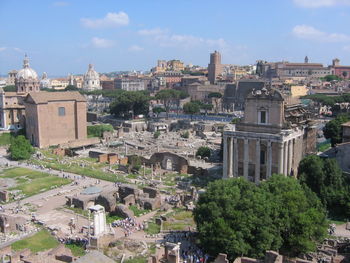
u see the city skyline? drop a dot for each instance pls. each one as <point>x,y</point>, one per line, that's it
<point>62,37</point>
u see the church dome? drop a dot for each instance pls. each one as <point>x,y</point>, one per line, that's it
<point>26,73</point>
<point>91,74</point>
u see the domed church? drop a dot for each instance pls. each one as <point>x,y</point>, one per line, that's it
<point>12,110</point>
<point>91,79</point>
<point>27,79</point>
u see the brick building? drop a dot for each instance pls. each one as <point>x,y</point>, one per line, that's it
<point>54,118</point>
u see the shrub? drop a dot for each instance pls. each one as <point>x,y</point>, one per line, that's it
<point>156,134</point>
<point>20,148</point>
<point>203,152</point>
<point>98,130</point>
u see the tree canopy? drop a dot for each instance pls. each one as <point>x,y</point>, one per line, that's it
<point>238,218</point>
<point>203,151</point>
<point>331,78</point>
<point>333,130</point>
<point>325,178</point>
<point>9,88</point>
<point>98,130</point>
<point>20,148</point>
<point>191,108</point>
<point>170,97</point>
<point>126,104</point>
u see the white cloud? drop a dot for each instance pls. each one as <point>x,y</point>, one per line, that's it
<point>164,38</point>
<point>346,48</point>
<point>135,48</point>
<point>152,32</point>
<point>3,49</point>
<point>11,48</point>
<point>101,42</point>
<point>60,3</point>
<point>320,3</point>
<point>311,33</point>
<point>110,20</point>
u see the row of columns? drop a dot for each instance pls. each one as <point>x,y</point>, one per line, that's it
<point>285,157</point>
<point>285,154</point>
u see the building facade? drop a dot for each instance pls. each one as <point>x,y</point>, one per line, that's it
<point>266,141</point>
<point>129,84</point>
<point>91,79</point>
<point>54,118</point>
<point>214,67</point>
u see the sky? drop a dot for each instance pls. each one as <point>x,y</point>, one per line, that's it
<point>62,37</point>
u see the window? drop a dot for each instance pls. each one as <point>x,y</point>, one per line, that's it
<point>61,111</point>
<point>262,115</point>
<point>262,157</point>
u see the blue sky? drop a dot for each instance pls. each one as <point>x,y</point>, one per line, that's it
<point>62,37</point>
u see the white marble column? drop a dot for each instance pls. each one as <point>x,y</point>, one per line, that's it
<point>246,159</point>
<point>235,157</point>
<point>280,158</point>
<point>290,156</point>
<point>257,161</point>
<point>230,156</point>
<point>285,159</point>
<point>269,160</point>
<point>224,170</point>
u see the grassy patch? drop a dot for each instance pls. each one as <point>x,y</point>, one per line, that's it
<point>153,228</point>
<point>137,211</point>
<point>136,260</point>
<point>179,220</point>
<point>33,182</point>
<point>324,147</point>
<point>111,218</point>
<point>91,170</point>
<point>39,242</point>
<point>132,176</point>
<point>5,138</point>
<point>77,250</point>
<point>78,210</point>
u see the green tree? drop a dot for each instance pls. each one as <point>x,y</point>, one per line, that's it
<point>333,130</point>
<point>126,104</point>
<point>20,148</point>
<point>203,151</point>
<point>326,180</point>
<point>10,88</point>
<point>98,130</point>
<point>238,218</point>
<point>330,78</point>
<point>191,108</point>
<point>71,88</point>
<point>168,97</point>
<point>206,107</point>
<point>298,215</point>
<point>157,110</point>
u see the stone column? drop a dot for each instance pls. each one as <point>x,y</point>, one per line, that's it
<point>285,159</point>
<point>257,161</point>
<point>290,156</point>
<point>230,156</point>
<point>224,170</point>
<point>280,158</point>
<point>235,158</point>
<point>269,160</point>
<point>246,159</point>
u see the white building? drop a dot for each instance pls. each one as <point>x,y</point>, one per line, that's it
<point>91,79</point>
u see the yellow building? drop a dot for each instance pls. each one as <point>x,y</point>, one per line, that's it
<point>298,91</point>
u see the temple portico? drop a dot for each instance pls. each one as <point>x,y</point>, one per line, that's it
<point>263,143</point>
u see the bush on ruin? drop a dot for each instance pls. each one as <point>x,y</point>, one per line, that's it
<point>20,148</point>
<point>203,151</point>
<point>156,134</point>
